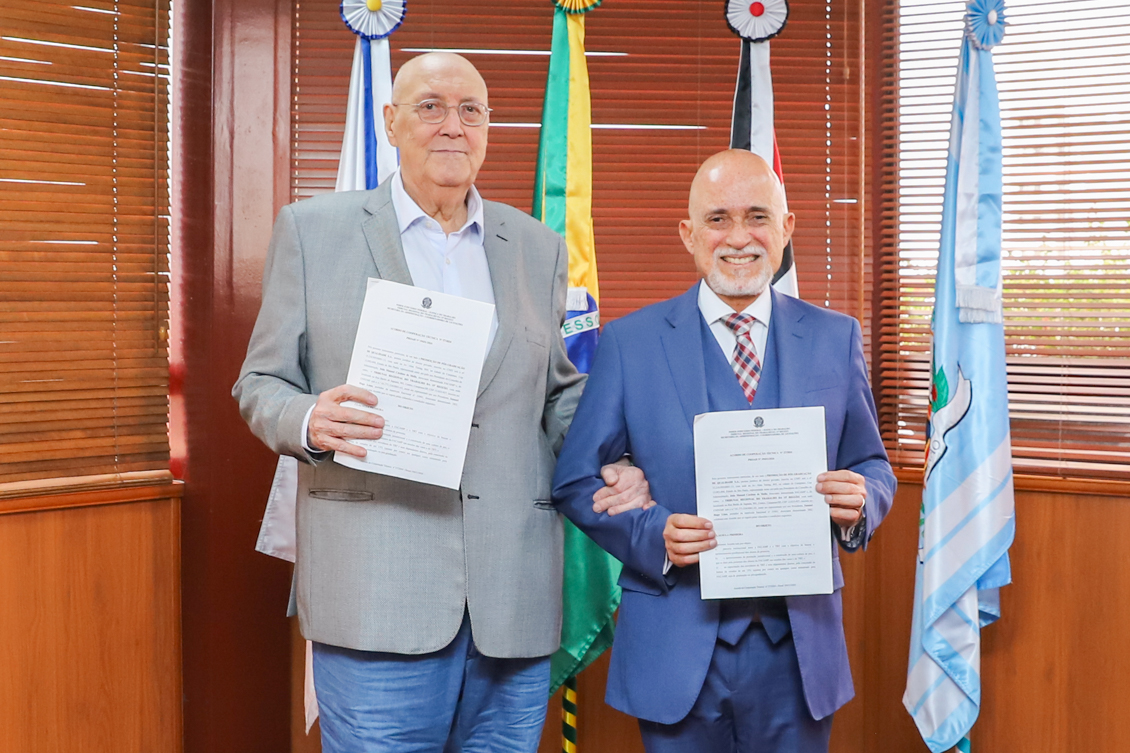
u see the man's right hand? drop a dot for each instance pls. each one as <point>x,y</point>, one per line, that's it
<point>685,536</point>
<point>333,424</point>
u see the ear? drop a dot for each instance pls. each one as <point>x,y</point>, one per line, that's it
<point>686,230</point>
<point>389,113</point>
<point>788,224</point>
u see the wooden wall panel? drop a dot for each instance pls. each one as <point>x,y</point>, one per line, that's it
<point>887,601</point>
<point>1054,667</point>
<point>90,629</point>
<point>231,144</point>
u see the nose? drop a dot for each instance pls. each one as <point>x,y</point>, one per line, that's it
<point>739,236</point>
<point>451,125</point>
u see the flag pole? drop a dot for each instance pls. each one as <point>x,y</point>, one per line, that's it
<point>563,201</point>
<point>967,518</point>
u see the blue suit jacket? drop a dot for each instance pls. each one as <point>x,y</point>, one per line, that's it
<point>647,383</point>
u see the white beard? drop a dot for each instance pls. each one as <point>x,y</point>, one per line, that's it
<point>746,285</point>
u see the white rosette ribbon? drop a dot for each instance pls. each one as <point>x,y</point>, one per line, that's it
<point>372,19</point>
<point>758,20</point>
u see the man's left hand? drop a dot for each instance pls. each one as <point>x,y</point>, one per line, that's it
<point>844,491</point>
<point>625,488</point>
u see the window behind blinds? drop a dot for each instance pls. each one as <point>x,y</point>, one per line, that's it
<point>662,74</point>
<point>83,239</point>
<point>1063,72</point>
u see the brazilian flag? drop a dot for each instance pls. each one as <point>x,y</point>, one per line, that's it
<point>563,201</point>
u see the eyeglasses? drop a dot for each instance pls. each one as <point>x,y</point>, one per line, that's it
<point>434,111</point>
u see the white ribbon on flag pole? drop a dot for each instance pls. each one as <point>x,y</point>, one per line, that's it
<point>761,101</point>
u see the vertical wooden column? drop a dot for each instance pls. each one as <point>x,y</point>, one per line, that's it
<point>231,134</point>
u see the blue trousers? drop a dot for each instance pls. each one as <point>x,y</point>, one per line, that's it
<point>751,702</point>
<point>454,700</point>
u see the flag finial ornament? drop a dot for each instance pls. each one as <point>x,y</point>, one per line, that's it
<point>373,19</point>
<point>985,22</point>
<point>757,21</point>
<point>576,6</point>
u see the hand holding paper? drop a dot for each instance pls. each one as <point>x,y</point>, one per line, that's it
<point>332,424</point>
<point>686,536</point>
<point>845,492</point>
<point>420,354</point>
<point>755,476</point>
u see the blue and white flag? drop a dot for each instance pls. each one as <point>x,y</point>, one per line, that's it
<point>967,520</point>
<point>366,159</point>
<point>366,156</point>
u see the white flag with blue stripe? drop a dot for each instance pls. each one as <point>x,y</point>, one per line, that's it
<point>967,519</point>
<point>366,156</point>
<point>366,160</point>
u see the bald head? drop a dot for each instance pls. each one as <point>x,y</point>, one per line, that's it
<point>720,170</point>
<point>738,225</point>
<point>438,161</point>
<point>433,65</point>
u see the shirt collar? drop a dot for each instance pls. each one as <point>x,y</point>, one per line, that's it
<point>714,308</point>
<point>408,212</point>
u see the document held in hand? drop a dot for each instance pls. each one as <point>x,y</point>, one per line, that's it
<point>755,478</point>
<point>421,353</point>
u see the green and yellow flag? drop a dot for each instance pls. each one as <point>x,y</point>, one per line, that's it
<point>563,201</point>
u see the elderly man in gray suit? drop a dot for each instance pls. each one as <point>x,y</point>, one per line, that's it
<point>432,611</point>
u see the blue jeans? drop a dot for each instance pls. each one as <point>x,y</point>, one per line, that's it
<point>454,700</point>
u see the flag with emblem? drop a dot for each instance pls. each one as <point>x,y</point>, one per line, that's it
<point>752,125</point>
<point>563,201</point>
<point>966,522</point>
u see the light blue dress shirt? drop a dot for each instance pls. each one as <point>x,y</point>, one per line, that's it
<point>453,263</point>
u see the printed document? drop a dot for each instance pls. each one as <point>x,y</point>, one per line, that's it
<point>755,478</point>
<point>421,353</point>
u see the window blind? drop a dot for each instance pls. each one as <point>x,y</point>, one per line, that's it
<point>662,74</point>
<point>83,239</point>
<point>1063,73</point>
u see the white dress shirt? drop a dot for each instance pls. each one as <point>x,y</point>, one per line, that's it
<point>714,310</point>
<point>453,263</point>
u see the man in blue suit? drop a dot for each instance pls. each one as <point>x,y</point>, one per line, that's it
<point>760,675</point>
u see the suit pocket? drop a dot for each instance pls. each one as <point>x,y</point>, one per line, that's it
<point>341,495</point>
<point>544,504</point>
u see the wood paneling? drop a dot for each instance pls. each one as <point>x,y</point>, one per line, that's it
<point>1054,667</point>
<point>90,625</point>
<point>230,131</point>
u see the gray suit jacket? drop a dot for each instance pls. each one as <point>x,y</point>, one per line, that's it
<point>385,564</point>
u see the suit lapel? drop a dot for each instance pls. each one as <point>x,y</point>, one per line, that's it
<point>682,344</point>
<point>382,233</point>
<point>787,344</point>
<point>502,260</point>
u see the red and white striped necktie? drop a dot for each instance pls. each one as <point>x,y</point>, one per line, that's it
<point>746,365</point>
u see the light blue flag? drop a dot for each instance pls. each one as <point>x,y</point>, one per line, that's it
<point>967,520</point>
